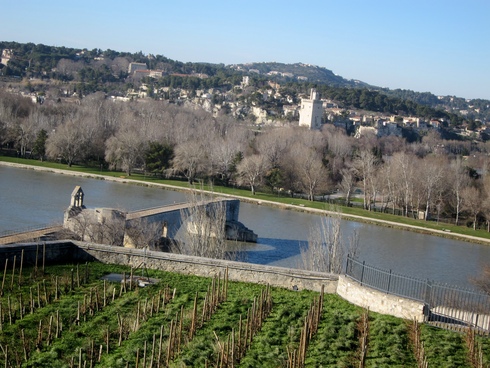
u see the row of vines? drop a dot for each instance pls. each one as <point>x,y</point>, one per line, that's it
<point>70,316</point>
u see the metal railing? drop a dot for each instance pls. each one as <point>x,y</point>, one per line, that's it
<point>446,305</point>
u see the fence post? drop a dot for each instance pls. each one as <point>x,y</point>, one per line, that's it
<point>362,271</point>
<point>428,291</point>
<point>389,282</point>
<point>347,264</point>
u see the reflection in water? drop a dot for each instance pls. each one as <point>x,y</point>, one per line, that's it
<point>272,251</point>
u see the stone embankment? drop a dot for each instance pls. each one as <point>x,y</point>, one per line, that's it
<point>393,224</point>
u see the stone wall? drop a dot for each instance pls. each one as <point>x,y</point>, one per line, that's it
<point>237,271</point>
<point>49,253</point>
<point>78,252</point>
<point>378,301</point>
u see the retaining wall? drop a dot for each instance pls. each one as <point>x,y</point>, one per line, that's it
<point>378,301</point>
<point>74,251</point>
<point>237,271</point>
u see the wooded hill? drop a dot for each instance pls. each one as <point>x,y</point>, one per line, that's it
<point>98,70</point>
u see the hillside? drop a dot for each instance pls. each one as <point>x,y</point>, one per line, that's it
<point>299,72</point>
<point>107,71</point>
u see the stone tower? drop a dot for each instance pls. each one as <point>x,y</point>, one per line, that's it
<point>310,114</point>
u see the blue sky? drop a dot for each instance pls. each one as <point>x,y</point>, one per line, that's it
<point>440,46</point>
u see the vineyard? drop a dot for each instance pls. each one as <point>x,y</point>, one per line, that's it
<point>74,316</point>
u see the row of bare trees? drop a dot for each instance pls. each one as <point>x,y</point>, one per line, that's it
<point>431,177</point>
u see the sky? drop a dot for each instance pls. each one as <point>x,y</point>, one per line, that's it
<point>438,46</point>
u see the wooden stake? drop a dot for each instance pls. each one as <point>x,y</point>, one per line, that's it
<point>39,335</point>
<point>37,256</point>
<point>24,344</point>
<point>10,309</point>
<point>21,265</point>
<point>104,304</point>
<point>57,323</point>
<point>44,256</point>
<point>13,274</point>
<point>38,296</point>
<point>107,339</point>
<point>48,341</point>
<point>4,275</point>
<point>152,351</point>
<point>21,307</point>
<point>32,300</point>
<point>160,347</point>
<point>119,320</point>
<point>46,301</point>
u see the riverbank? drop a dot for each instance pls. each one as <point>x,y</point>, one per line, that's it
<point>295,205</point>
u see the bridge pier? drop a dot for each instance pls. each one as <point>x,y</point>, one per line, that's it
<point>111,226</point>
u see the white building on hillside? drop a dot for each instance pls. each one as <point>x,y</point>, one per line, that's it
<point>311,111</point>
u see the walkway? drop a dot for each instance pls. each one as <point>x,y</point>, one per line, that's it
<point>28,235</point>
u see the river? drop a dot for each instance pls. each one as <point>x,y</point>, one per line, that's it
<point>33,198</point>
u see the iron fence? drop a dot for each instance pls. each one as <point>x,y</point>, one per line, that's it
<point>445,305</point>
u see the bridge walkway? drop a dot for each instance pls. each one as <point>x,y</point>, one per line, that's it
<point>28,235</point>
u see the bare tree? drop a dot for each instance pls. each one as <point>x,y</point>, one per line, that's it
<point>223,155</point>
<point>403,173</point>
<point>483,280</point>
<point>273,144</point>
<point>126,148</point>
<point>347,184</point>
<point>327,250</point>
<point>204,224</point>
<point>459,180</point>
<point>251,171</point>
<point>141,233</point>
<point>473,202</point>
<point>66,142</point>
<point>69,68</point>
<point>365,164</point>
<point>311,173</point>
<point>119,65</point>
<point>430,176</point>
<point>189,159</point>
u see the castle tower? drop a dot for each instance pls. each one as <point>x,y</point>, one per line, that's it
<point>311,111</point>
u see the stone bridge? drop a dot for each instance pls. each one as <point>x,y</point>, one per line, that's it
<point>97,225</point>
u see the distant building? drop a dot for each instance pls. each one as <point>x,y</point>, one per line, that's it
<point>7,54</point>
<point>136,66</point>
<point>311,111</point>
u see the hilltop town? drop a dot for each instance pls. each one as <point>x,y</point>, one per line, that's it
<point>260,94</point>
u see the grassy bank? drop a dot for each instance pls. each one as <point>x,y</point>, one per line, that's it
<point>297,204</point>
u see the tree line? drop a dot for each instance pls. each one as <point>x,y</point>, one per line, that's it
<point>433,178</point>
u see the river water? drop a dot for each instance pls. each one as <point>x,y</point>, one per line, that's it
<point>33,198</point>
